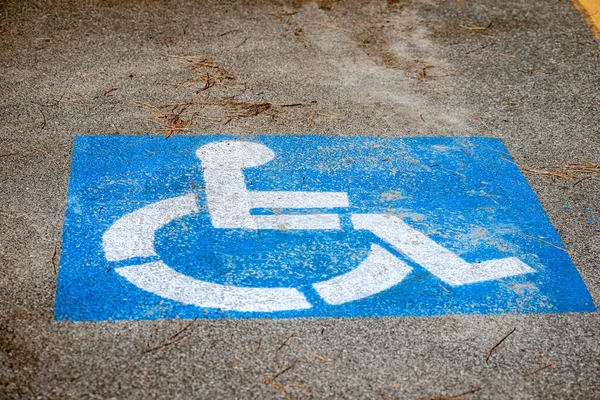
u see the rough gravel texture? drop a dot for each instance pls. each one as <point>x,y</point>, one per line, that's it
<point>526,72</point>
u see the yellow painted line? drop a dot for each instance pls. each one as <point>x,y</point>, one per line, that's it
<point>590,9</point>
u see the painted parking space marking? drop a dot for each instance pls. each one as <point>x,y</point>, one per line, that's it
<point>311,226</point>
<point>590,9</point>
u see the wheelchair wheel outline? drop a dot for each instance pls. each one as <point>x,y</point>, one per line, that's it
<point>132,236</point>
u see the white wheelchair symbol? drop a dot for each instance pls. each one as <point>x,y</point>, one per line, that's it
<point>229,205</point>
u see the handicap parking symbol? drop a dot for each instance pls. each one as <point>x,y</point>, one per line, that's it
<point>311,226</point>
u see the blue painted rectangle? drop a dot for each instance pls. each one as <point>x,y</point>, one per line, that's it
<point>463,194</point>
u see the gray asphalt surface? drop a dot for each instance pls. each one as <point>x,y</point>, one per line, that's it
<point>526,72</point>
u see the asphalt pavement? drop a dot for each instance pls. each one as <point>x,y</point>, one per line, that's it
<point>523,72</point>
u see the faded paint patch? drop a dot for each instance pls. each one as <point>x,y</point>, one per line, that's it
<point>590,9</point>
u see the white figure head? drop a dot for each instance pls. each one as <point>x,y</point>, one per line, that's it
<point>234,154</point>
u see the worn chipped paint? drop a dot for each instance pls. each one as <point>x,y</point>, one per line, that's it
<point>266,226</point>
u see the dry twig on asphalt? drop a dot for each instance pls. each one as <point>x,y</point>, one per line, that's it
<point>173,339</point>
<point>279,386</point>
<point>286,369</point>
<point>47,155</point>
<point>285,341</point>
<point>53,262</point>
<point>69,100</point>
<point>490,351</point>
<point>454,397</point>
<point>423,72</point>
<point>43,116</point>
<point>476,117</point>
<point>549,364</point>
<point>314,354</point>
<point>212,94</point>
<point>569,172</point>
<point>206,71</point>
<point>169,121</point>
<point>108,91</point>
<point>475,27</point>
